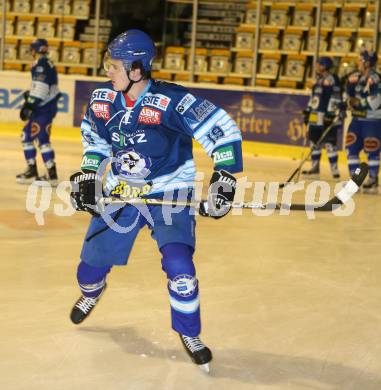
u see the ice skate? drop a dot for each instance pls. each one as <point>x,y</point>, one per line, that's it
<point>83,307</point>
<point>371,186</point>
<point>313,172</point>
<point>335,171</point>
<point>198,352</point>
<point>29,176</point>
<point>51,177</point>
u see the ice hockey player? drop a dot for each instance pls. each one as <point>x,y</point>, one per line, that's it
<point>147,127</point>
<point>322,111</point>
<point>363,94</point>
<point>39,110</point>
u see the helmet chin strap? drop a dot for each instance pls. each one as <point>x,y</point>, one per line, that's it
<point>132,82</point>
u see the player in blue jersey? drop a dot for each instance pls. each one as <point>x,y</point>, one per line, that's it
<point>146,128</point>
<point>363,93</point>
<point>321,112</point>
<point>39,110</point>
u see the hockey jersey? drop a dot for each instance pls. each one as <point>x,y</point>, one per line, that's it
<point>366,88</point>
<point>44,81</point>
<point>150,144</point>
<point>325,98</point>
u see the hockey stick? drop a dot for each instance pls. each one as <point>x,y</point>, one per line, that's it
<point>299,167</point>
<point>350,188</point>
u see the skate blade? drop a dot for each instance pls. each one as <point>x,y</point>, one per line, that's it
<point>25,181</point>
<point>205,367</point>
<point>41,183</point>
<point>53,183</point>
<point>314,176</point>
<point>370,191</point>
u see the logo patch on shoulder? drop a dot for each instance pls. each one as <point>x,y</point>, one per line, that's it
<point>149,116</point>
<point>101,110</point>
<point>185,103</point>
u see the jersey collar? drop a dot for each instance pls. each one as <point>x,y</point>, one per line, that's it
<point>138,100</point>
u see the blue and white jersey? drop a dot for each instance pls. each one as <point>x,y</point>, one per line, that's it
<point>151,143</point>
<point>325,98</point>
<point>366,88</point>
<point>44,81</point>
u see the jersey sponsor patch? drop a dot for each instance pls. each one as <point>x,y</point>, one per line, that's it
<point>224,156</point>
<point>101,110</point>
<point>149,116</point>
<point>104,94</point>
<point>156,100</point>
<point>125,190</point>
<point>201,111</point>
<point>90,161</point>
<point>185,103</point>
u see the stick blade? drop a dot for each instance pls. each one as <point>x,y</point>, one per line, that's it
<point>350,188</point>
<point>360,174</point>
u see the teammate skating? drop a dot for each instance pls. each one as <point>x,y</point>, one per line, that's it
<point>324,110</point>
<point>39,110</point>
<point>363,91</point>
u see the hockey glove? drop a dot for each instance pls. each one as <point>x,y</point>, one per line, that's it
<point>29,106</point>
<point>220,196</point>
<point>306,115</point>
<point>86,191</point>
<point>26,111</point>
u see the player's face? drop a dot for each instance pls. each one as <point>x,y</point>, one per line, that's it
<point>320,69</point>
<point>361,65</point>
<point>118,75</point>
<point>34,53</point>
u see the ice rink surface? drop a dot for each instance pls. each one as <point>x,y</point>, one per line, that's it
<point>287,302</point>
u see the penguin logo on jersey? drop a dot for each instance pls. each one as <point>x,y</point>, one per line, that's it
<point>132,164</point>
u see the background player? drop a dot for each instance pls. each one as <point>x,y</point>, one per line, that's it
<point>148,126</point>
<point>320,113</point>
<point>39,110</point>
<point>364,133</point>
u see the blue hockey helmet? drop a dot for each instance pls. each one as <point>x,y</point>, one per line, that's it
<point>368,56</point>
<point>133,46</point>
<point>326,62</point>
<point>40,45</point>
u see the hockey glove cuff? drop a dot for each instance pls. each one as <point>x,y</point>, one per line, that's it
<point>26,111</point>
